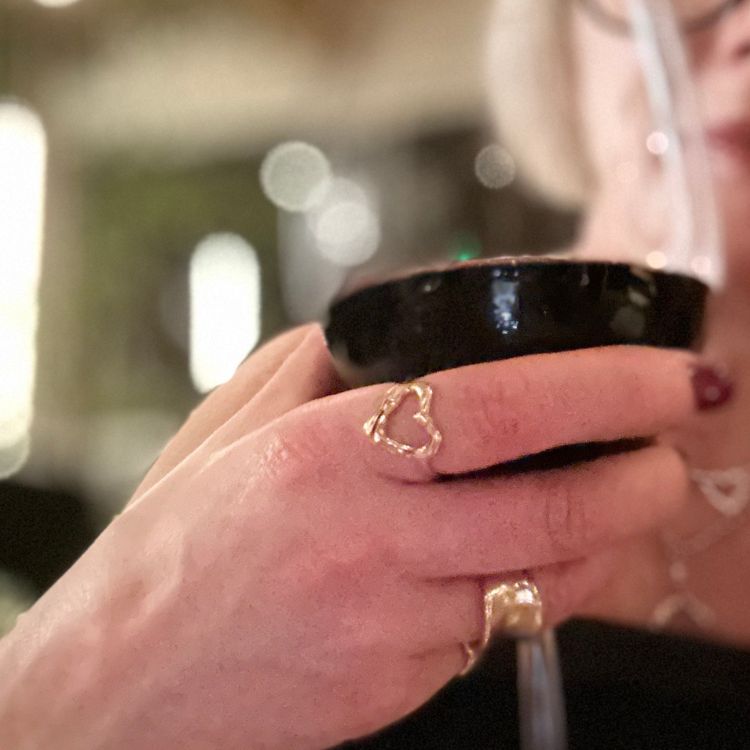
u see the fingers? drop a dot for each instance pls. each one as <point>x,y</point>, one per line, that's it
<point>449,612</point>
<point>289,370</point>
<point>475,527</point>
<point>499,411</point>
<point>586,396</point>
<point>306,374</point>
<point>251,376</point>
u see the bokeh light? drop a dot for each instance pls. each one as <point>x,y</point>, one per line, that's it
<point>295,176</point>
<point>56,3</point>
<point>495,167</point>
<point>225,308</point>
<point>657,143</point>
<point>346,227</point>
<point>657,260</point>
<point>23,151</point>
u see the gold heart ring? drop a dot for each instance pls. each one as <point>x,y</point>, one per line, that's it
<point>376,427</point>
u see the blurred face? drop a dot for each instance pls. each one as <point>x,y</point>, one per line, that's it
<point>616,122</point>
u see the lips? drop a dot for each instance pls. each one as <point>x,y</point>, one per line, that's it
<point>731,138</point>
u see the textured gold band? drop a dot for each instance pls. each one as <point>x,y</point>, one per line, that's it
<point>513,609</point>
<point>376,427</point>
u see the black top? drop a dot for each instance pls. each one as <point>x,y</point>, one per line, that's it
<point>625,689</point>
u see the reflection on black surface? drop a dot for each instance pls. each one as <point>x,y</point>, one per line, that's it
<point>435,320</point>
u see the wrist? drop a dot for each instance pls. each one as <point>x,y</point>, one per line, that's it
<point>50,694</point>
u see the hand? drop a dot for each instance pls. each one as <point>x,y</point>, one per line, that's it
<point>280,582</point>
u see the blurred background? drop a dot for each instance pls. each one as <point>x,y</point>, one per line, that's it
<point>181,180</point>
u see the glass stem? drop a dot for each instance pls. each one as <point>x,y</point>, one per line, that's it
<point>541,706</point>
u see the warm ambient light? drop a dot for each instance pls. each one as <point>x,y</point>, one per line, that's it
<point>55,3</point>
<point>23,153</point>
<point>295,176</point>
<point>345,225</point>
<point>224,308</point>
<point>494,167</point>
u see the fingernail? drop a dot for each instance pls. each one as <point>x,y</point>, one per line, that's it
<point>711,386</point>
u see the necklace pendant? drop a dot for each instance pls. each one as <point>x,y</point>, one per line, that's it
<point>726,490</point>
<point>682,605</point>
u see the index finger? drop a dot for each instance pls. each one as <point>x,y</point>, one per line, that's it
<point>265,385</point>
<point>496,412</point>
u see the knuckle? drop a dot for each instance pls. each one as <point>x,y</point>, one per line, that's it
<point>294,458</point>
<point>566,522</point>
<point>484,416</point>
<point>492,417</point>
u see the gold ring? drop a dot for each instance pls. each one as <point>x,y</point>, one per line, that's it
<point>513,609</point>
<point>471,657</point>
<point>376,427</point>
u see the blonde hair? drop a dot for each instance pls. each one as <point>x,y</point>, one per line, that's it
<point>532,94</point>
